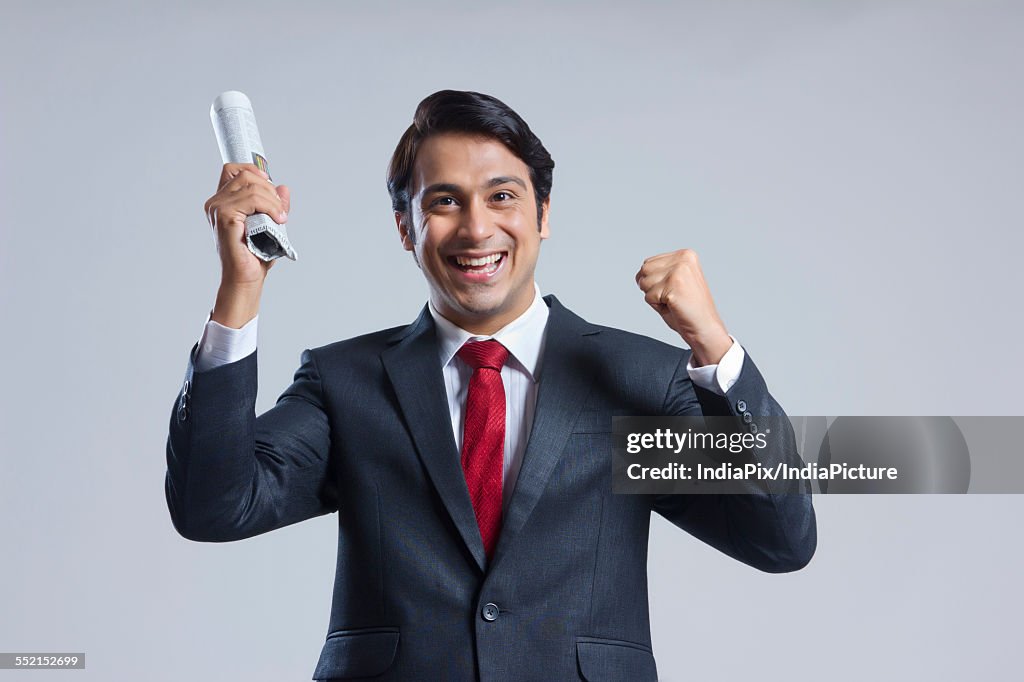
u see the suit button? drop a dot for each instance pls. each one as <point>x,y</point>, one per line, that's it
<point>747,417</point>
<point>490,612</point>
<point>183,412</point>
<point>753,428</point>
<point>741,406</point>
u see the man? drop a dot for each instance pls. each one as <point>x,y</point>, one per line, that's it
<point>468,454</point>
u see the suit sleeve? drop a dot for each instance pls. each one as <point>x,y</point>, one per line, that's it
<point>774,532</point>
<point>231,475</point>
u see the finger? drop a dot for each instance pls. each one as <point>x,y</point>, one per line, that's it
<point>655,266</point>
<point>656,258</point>
<point>248,182</point>
<point>230,170</point>
<point>645,280</point>
<point>644,274</point>
<point>285,194</point>
<point>653,295</point>
<point>245,178</point>
<point>237,206</point>
<point>263,201</point>
<point>668,295</point>
<point>650,275</point>
<point>688,256</point>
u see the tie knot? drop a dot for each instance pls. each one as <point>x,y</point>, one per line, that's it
<point>489,354</point>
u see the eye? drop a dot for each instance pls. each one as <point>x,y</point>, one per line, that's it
<point>503,196</point>
<point>443,201</point>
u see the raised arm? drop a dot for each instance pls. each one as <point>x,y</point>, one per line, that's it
<point>772,532</point>
<point>231,475</point>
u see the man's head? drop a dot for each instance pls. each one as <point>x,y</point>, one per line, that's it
<point>470,187</point>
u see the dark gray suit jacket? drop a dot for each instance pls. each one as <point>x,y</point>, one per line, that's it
<point>364,431</point>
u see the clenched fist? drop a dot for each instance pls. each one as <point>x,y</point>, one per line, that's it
<point>673,284</point>
<point>243,190</point>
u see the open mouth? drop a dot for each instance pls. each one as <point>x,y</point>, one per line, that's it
<point>481,265</point>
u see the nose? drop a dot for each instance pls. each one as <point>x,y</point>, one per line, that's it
<point>475,224</point>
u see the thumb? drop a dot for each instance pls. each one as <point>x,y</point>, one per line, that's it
<point>662,309</point>
<point>285,193</point>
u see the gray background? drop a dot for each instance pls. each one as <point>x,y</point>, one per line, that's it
<point>847,172</point>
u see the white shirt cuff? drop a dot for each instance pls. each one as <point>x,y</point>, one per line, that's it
<point>721,377</point>
<point>220,345</point>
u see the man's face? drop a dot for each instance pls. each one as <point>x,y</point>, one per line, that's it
<point>474,215</point>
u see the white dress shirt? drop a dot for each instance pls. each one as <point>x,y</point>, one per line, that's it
<point>524,339</point>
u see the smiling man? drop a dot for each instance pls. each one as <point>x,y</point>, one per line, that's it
<point>474,227</point>
<point>468,454</point>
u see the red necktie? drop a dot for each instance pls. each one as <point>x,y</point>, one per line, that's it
<point>483,436</point>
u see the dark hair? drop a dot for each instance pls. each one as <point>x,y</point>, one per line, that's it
<point>455,111</point>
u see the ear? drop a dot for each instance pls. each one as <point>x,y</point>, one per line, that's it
<point>545,210</point>
<point>408,240</point>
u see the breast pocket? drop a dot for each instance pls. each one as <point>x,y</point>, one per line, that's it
<point>360,652</point>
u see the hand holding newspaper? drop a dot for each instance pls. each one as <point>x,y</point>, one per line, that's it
<point>239,140</point>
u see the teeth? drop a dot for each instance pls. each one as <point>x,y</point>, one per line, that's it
<point>477,262</point>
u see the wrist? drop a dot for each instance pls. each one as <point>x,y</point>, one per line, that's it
<point>236,304</point>
<point>709,349</point>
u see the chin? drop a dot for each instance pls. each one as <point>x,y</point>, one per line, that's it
<point>483,306</point>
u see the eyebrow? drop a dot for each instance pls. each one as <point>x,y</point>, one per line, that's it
<point>449,187</point>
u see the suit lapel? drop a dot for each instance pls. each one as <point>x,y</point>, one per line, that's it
<point>565,378</point>
<point>413,366</point>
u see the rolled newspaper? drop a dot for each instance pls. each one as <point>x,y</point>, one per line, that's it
<point>239,140</point>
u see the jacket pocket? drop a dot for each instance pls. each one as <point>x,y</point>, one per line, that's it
<point>614,660</point>
<point>360,652</point>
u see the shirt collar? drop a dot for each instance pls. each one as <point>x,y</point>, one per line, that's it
<point>523,336</point>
